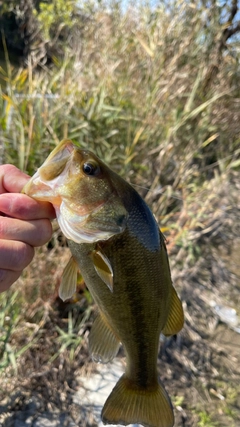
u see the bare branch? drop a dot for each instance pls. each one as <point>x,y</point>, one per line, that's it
<point>230,30</point>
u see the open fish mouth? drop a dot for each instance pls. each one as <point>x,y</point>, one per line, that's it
<point>87,208</point>
<point>96,224</point>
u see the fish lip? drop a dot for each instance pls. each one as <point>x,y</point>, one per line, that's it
<point>40,190</point>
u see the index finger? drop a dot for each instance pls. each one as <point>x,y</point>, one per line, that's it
<point>12,180</point>
<point>22,206</point>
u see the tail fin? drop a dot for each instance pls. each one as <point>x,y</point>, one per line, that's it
<point>128,404</point>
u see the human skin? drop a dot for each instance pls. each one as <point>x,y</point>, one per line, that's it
<point>24,225</point>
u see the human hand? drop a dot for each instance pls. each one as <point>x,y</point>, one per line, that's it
<point>24,224</point>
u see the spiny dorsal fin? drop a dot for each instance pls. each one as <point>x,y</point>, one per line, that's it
<point>175,318</point>
<point>103,267</point>
<point>69,280</point>
<point>103,344</point>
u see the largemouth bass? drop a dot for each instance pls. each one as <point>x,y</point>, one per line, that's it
<point>116,242</point>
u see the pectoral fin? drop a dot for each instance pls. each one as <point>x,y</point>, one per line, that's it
<point>103,268</point>
<point>69,280</point>
<point>175,318</point>
<point>103,344</point>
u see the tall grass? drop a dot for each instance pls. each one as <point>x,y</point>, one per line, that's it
<point>136,84</point>
<point>145,90</point>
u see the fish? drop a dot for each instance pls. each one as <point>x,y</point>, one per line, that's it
<point>117,244</point>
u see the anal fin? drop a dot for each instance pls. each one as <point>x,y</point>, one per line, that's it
<point>175,318</point>
<point>103,344</point>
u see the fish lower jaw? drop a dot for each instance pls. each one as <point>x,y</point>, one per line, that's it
<point>79,233</point>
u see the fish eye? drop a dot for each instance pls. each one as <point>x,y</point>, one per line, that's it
<point>90,169</point>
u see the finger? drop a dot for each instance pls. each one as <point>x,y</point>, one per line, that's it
<point>24,207</point>
<point>15,255</point>
<point>12,179</point>
<point>34,233</point>
<point>7,278</point>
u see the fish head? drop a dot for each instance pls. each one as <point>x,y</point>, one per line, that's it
<point>79,186</point>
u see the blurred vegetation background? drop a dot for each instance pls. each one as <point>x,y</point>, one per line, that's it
<point>153,89</point>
